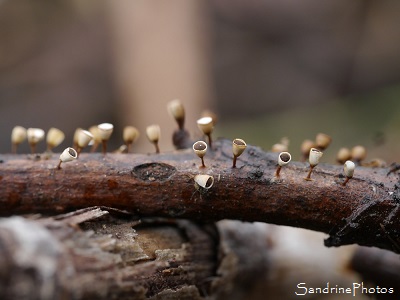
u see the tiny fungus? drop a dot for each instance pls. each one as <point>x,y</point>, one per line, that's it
<point>283,159</point>
<point>322,141</point>
<point>54,138</point>
<point>206,125</point>
<point>200,149</point>
<point>348,169</point>
<point>130,135</point>
<point>306,147</point>
<point>282,146</point>
<point>35,135</point>
<point>376,163</point>
<point>314,157</point>
<point>69,154</point>
<point>238,147</point>
<point>153,134</point>
<point>18,135</point>
<point>358,153</point>
<point>177,111</point>
<point>105,131</point>
<point>343,155</point>
<point>203,182</point>
<point>83,139</point>
<point>279,147</point>
<point>212,115</point>
<point>94,130</point>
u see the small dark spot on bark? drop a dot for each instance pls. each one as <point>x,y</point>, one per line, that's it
<point>153,171</point>
<point>256,174</point>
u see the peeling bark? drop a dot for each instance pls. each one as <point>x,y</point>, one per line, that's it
<point>365,211</point>
<point>99,253</point>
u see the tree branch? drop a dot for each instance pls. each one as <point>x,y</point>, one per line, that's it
<point>365,211</point>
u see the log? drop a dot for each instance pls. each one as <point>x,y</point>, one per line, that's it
<point>365,211</point>
<point>101,253</point>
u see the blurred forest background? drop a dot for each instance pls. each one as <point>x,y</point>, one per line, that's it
<point>269,69</point>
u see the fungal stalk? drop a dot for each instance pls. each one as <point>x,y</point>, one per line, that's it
<point>206,125</point>
<point>153,134</point>
<point>54,138</point>
<point>83,139</point>
<point>314,157</point>
<point>177,111</point>
<point>283,159</point>
<point>34,135</point>
<point>200,149</point>
<point>348,169</point>
<point>105,131</point>
<point>18,135</point>
<point>238,147</point>
<point>130,135</point>
<point>69,154</point>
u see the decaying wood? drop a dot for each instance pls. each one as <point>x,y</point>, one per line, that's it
<point>100,253</point>
<point>365,211</point>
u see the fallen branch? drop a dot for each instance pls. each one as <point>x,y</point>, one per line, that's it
<point>365,211</point>
<point>100,253</point>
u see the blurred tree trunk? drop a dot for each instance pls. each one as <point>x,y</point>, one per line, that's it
<point>161,53</point>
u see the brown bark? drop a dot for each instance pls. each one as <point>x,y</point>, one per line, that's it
<point>365,211</point>
<point>117,257</point>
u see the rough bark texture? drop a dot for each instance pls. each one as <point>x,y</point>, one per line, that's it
<point>365,211</point>
<point>101,253</point>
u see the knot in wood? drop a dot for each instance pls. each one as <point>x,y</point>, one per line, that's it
<point>153,172</point>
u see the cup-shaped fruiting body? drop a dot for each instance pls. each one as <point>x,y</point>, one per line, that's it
<point>18,135</point>
<point>203,182</point>
<point>358,153</point>
<point>212,115</point>
<point>34,135</point>
<point>105,131</point>
<point>343,155</point>
<point>177,111</point>
<point>314,157</point>
<point>348,169</point>
<point>94,130</point>
<point>322,141</point>
<point>54,138</point>
<point>206,125</point>
<point>130,134</point>
<point>238,147</point>
<point>69,154</point>
<point>283,159</point>
<point>83,138</point>
<point>153,134</point>
<point>200,149</point>
<point>306,147</point>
